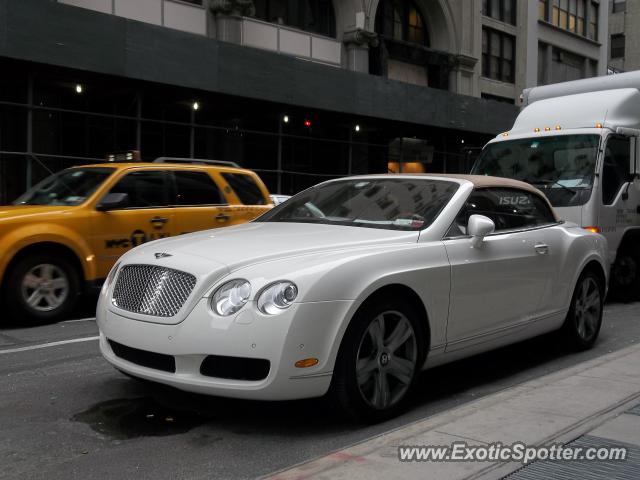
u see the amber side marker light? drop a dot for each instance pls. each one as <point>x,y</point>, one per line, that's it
<point>537,129</point>
<point>306,362</point>
<point>592,229</point>
<point>505,134</point>
<point>598,125</point>
<point>558,127</point>
<point>547,129</point>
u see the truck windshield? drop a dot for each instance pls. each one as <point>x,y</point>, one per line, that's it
<point>561,166</point>
<point>68,187</point>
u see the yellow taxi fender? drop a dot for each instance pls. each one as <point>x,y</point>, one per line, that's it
<point>22,237</point>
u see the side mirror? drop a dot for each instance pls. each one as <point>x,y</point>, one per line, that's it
<point>113,201</point>
<point>479,227</point>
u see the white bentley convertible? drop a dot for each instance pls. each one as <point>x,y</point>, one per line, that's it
<point>351,288</point>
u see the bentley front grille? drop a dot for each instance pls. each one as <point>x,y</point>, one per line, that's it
<point>152,290</point>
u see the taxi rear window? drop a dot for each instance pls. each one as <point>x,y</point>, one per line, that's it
<point>246,188</point>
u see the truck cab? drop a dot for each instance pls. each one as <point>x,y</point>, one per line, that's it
<point>579,144</point>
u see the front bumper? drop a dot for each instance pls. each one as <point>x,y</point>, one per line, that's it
<point>306,330</point>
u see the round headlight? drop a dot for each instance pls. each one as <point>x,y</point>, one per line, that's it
<point>231,297</point>
<point>277,297</point>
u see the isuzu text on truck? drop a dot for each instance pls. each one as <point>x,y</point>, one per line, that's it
<point>579,143</point>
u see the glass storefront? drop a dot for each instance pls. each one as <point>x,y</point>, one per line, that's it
<point>52,118</point>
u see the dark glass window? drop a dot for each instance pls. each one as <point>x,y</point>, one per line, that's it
<point>69,187</point>
<point>197,188</point>
<point>315,16</point>
<point>615,171</point>
<point>401,20</point>
<point>617,45</point>
<point>498,55</point>
<point>593,21</point>
<point>571,15</point>
<point>245,187</point>
<point>145,189</point>
<point>619,6</point>
<point>510,209</point>
<point>543,9</point>
<point>503,10</point>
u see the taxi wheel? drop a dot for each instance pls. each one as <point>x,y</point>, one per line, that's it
<point>41,288</point>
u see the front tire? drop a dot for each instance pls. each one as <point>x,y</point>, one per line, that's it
<point>626,275</point>
<point>583,322</point>
<point>41,288</point>
<point>379,360</point>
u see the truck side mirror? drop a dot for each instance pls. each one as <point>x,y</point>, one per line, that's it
<point>113,201</point>
<point>634,167</point>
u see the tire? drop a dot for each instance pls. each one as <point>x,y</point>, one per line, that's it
<point>392,360</point>
<point>41,288</point>
<point>584,319</point>
<point>625,276</point>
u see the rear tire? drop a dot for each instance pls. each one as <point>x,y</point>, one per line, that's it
<point>379,360</point>
<point>583,322</point>
<point>41,288</point>
<point>625,275</point>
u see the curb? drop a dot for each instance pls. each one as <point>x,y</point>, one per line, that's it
<point>607,376</point>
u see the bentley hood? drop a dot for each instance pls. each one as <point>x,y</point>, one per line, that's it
<point>256,242</point>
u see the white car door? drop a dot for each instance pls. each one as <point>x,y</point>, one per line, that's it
<point>500,284</point>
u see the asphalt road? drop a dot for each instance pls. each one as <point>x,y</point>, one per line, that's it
<point>65,413</point>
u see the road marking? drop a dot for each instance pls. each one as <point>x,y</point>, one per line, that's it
<point>90,319</point>
<point>47,345</point>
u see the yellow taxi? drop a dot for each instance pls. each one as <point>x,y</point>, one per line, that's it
<point>64,234</point>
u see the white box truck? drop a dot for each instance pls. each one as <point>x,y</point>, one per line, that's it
<point>578,142</point>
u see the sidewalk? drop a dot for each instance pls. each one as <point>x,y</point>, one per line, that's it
<point>591,404</point>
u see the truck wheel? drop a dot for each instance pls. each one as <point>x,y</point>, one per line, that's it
<point>626,275</point>
<point>41,288</point>
<point>379,360</point>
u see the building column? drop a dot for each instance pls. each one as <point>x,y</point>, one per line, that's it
<point>227,18</point>
<point>358,42</point>
<point>461,78</point>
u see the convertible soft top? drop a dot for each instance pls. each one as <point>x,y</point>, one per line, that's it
<point>485,181</point>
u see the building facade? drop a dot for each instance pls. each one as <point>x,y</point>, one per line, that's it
<point>624,35</point>
<point>298,90</point>
<point>537,42</point>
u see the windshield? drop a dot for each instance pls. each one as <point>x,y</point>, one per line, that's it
<point>68,187</point>
<point>562,166</point>
<point>388,203</point>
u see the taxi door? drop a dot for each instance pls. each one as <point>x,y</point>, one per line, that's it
<point>147,216</point>
<point>247,199</point>
<point>200,202</point>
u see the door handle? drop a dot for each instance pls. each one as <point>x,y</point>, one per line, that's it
<point>158,222</point>
<point>541,248</point>
<point>221,217</point>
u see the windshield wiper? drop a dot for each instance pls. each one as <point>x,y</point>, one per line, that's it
<point>549,181</point>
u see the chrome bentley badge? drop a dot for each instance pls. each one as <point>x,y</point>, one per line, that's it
<point>162,255</point>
